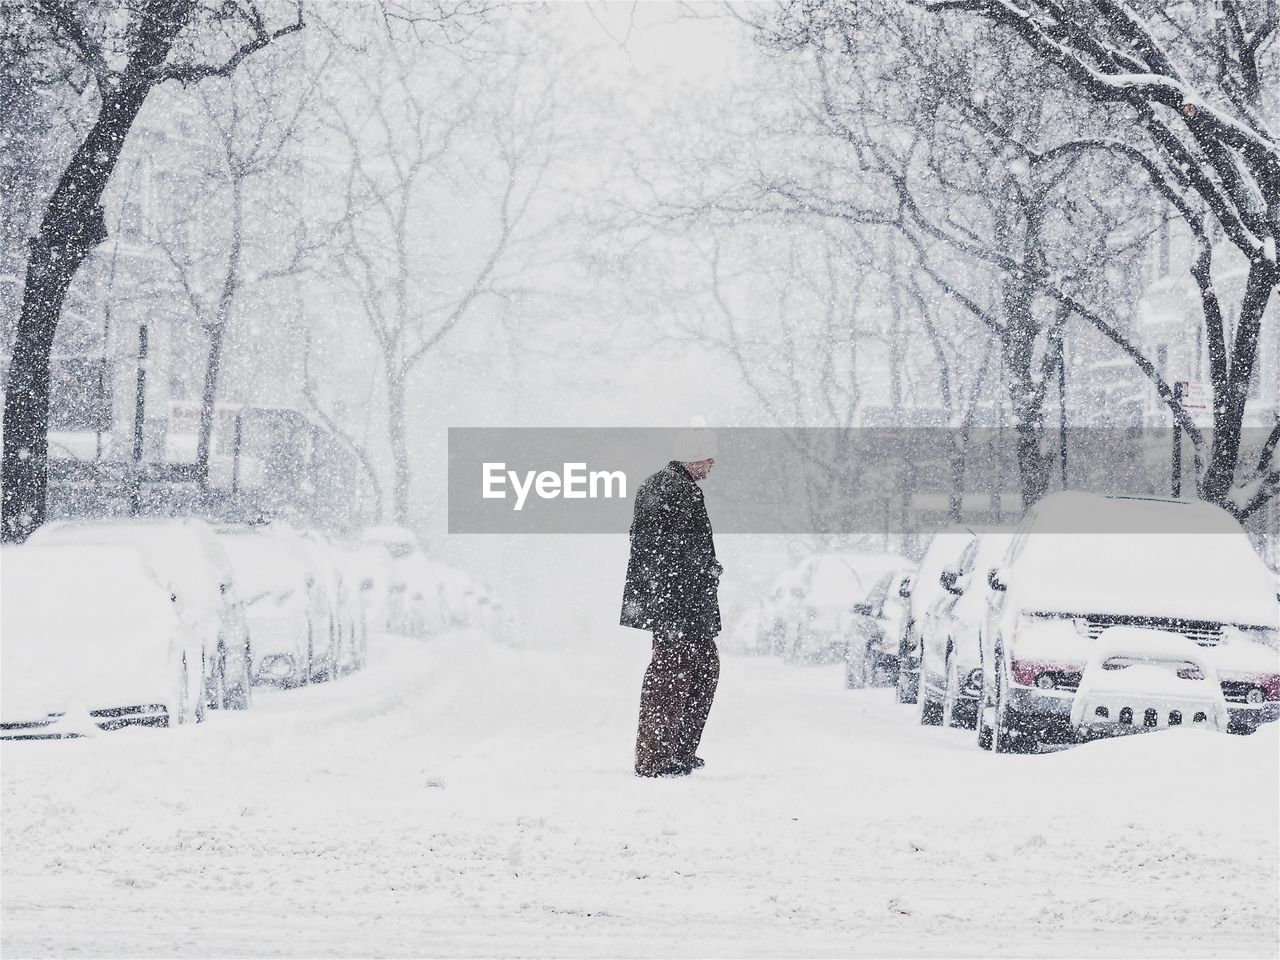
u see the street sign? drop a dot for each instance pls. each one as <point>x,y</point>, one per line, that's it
<point>1197,401</point>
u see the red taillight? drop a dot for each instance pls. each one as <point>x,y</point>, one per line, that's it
<point>1270,684</point>
<point>1025,672</point>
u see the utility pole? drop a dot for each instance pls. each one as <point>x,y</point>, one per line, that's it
<point>1176,459</point>
<point>139,422</point>
<point>1062,412</point>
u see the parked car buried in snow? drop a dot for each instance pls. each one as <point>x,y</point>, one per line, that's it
<point>1083,564</point>
<point>184,556</point>
<point>873,627</point>
<point>824,591</point>
<point>950,661</point>
<point>91,642</point>
<point>927,592</point>
<point>274,582</point>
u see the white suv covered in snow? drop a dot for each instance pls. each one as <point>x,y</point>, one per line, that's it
<point>1082,565</point>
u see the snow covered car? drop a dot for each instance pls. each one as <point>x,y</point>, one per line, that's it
<point>184,556</point>
<point>873,627</point>
<point>91,642</point>
<point>374,567</point>
<point>825,590</point>
<point>775,622</point>
<point>1082,564</point>
<point>950,660</point>
<point>273,580</point>
<point>382,549</point>
<point>927,591</point>
<point>335,648</point>
<point>747,633</point>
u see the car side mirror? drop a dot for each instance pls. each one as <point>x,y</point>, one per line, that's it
<point>948,580</point>
<point>904,588</point>
<point>995,579</point>
<point>222,587</point>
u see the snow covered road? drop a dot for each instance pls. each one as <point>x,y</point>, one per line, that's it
<point>460,798</point>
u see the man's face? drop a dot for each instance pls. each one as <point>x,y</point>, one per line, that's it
<point>698,469</point>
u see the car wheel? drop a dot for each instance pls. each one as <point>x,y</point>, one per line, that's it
<point>930,709</point>
<point>177,712</point>
<point>309,665</point>
<point>957,714</point>
<point>216,685</point>
<point>1008,733</point>
<point>850,678</point>
<point>982,724</point>
<point>193,704</point>
<point>905,689</point>
<point>855,667</point>
<point>240,696</point>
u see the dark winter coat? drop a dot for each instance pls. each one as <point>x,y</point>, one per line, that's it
<point>673,572</point>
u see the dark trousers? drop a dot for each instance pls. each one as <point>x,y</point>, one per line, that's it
<point>675,699</point>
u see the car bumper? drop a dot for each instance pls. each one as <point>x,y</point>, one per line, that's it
<point>1250,718</point>
<point>77,722</point>
<point>1041,703</point>
<point>1056,707</point>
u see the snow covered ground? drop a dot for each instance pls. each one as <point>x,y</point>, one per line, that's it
<point>462,798</point>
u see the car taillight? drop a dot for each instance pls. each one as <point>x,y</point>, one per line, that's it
<point>1269,684</point>
<point>1257,687</point>
<point>1043,674</point>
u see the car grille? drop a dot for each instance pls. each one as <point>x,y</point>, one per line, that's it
<point>1201,632</point>
<point>29,730</point>
<point>142,715</point>
<point>111,718</point>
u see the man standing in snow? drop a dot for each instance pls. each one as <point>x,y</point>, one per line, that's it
<point>671,590</point>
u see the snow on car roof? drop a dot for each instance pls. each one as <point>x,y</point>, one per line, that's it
<point>99,591</point>
<point>837,579</point>
<point>261,562</point>
<point>179,553</point>
<point>1119,564</point>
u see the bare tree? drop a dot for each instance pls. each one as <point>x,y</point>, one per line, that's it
<point>254,128</point>
<point>416,137</point>
<point>1198,83</point>
<point>124,49</point>
<point>947,163</point>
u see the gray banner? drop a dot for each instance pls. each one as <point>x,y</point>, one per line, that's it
<point>802,481</point>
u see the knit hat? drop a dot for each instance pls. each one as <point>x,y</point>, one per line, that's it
<point>695,443</point>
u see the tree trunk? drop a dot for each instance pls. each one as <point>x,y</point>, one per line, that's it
<point>1018,344</point>
<point>1231,396</point>
<point>217,333</point>
<point>399,446</point>
<point>71,227</point>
